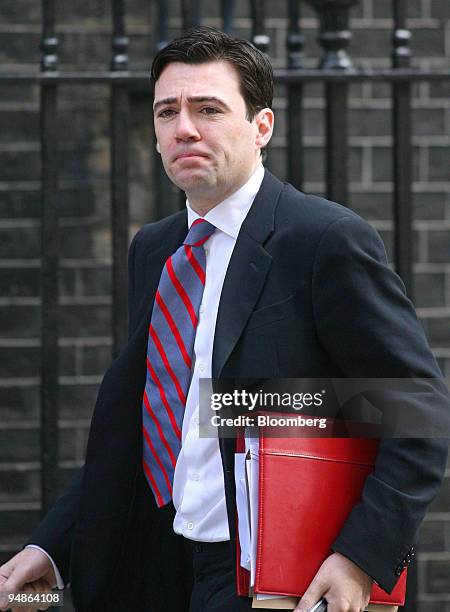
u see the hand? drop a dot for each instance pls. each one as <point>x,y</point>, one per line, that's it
<point>343,584</point>
<point>30,571</point>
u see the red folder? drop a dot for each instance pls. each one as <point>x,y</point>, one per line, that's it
<point>307,488</point>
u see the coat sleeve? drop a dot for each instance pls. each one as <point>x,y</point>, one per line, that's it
<point>369,327</point>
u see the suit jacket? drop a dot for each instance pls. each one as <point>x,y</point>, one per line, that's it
<point>308,294</point>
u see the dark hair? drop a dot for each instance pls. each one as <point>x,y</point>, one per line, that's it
<point>202,44</point>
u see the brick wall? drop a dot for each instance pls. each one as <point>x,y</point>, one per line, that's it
<point>85,342</point>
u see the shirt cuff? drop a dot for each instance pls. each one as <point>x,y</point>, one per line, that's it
<point>59,580</point>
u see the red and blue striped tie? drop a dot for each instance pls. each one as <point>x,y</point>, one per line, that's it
<point>169,358</point>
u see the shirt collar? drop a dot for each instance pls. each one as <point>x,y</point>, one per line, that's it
<point>229,214</point>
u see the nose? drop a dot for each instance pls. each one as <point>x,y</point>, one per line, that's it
<point>185,127</point>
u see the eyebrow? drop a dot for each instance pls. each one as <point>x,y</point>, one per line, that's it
<point>192,99</point>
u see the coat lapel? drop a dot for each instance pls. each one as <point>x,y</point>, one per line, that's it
<point>157,256</point>
<point>247,271</point>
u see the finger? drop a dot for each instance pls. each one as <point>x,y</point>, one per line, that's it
<point>313,593</point>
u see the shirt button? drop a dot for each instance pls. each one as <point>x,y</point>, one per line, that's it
<point>196,420</point>
<point>195,476</point>
<point>206,252</point>
<point>190,525</point>
<point>201,367</point>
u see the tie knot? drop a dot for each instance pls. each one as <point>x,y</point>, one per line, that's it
<point>199,233</point>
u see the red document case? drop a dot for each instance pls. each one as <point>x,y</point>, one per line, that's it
<point>307,488</point>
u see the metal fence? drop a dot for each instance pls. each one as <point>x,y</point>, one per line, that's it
<point>336,72</point>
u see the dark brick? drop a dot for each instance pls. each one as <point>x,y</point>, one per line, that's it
<point>24,445</point>
<point>438,331</point>
<point>141,50</point>
<point>439,246</point>
<point>82,49</point>
<point>383,8</point>
<point>96,359</point>
<point>439,169</point>
<point>429,123</point>
<point>83,96</point>
<point>81,165</point>
<point>314,160</point>
<point>96,11</point>
<point>369,122</point>
<point>437,576</point>
<point>428,42</point>
<point>19,48</point>
<point>19,402</point>
<point>16,526</point>
<point>67,361</point>
<point>440,9</point>
<point>355,164</point>
<point>429,289</point>
<point>76,241</point>
<point>19,125</point>
<point>18,204</point>
<point>28,11</point>
<point>381,90</point>
<point>433,606</point>
<point>314,90</point>
<point>441,502</point>
<point>19,486</point>
<point>19,282</point>
<point>67,444</point>
<point>428,205</point>
<point>440,89</point>
<point>96,281</point>
<point>20,92</point>
<point>77,202</point>
<point>67,281</point>
<point>372,206</point>
<point>370,43</point>
<point>91,321</point>
<point>19,361</point>
<point>83,126</point>
<point>19,321</point>
<point>433,536</point>
<point>18,242</point>
<point>276,163</point>
<point>381,164</point>
<point>19,445</point>
<point>19,165</point>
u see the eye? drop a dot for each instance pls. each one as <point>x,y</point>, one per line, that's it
<point>210,110</point>
<point>165,114</point>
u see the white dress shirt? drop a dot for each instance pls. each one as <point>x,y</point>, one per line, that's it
<point>198,487</point>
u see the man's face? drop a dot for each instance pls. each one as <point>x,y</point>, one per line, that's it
<point>208,147</point>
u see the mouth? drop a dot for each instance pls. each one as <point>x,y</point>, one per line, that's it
<point>190,155</point>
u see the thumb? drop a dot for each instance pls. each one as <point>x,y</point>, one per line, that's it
<point>313,593</point>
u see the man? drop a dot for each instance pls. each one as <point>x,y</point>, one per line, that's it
<point>292,286</point>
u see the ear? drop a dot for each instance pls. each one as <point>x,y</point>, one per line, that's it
<point>157,147</point>
<point>264,122</point>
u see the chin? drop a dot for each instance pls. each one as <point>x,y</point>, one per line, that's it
<point>193,181</point>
